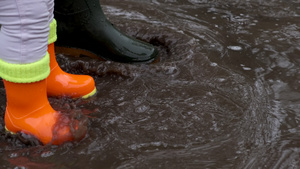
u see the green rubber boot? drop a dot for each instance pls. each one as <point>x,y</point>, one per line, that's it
<point>83,29</point>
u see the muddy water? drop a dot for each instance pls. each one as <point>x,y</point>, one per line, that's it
<point>225,93</point>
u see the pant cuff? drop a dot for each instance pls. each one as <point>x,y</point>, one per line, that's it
<point>52,33</point>
<point>25,73</point>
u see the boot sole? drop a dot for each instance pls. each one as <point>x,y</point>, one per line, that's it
<point>84,53</point>
<point>90,94</point>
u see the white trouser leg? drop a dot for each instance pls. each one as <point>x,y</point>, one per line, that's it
<point>51,10</point>
<point>25,29</point>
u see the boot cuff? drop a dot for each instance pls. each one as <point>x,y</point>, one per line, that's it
<point>25,73</point>
<point>52,33</point>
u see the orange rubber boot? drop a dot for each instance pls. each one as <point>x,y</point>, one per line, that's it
<point>28,110</point>
<point>60,83</point>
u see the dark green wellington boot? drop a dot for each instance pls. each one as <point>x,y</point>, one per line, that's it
<point>83,29</point>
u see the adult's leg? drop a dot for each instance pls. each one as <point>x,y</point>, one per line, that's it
<point>83,25</point>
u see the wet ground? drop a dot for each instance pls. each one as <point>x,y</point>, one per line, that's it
<point>225,93</point>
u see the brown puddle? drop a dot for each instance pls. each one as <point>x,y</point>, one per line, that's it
<point>224,94</point>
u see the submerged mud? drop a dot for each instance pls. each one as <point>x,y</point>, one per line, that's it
<point>224,93</point>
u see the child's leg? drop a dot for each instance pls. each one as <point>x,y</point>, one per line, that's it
<point>50,10</point>
<point>60,83</point>
<point>24,67</point>
<point>24,32</point>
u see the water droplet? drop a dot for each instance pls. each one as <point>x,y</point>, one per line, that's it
<point>213,64</point>
<point>47,154</point>
<point>235,48</point>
